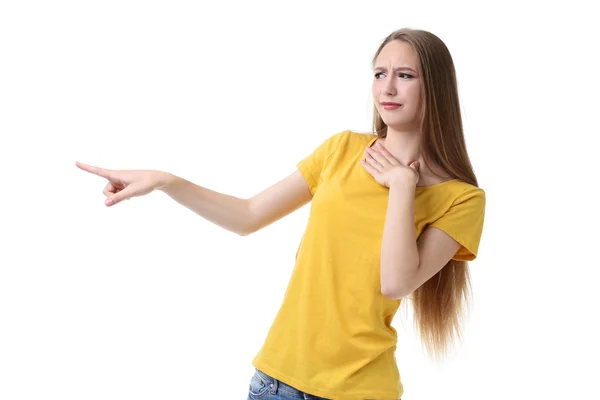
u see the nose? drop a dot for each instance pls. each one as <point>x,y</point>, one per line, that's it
<point>389,87</point>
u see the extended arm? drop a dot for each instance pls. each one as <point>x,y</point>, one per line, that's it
<point>242,216</point>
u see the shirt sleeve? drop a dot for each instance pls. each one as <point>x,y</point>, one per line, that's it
<point>464,223</point>
<point>313,165</point>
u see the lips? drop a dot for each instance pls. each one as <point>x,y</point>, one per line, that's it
<point>390,106</point>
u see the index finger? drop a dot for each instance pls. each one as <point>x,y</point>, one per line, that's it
<point>384,152</point>
<point>105,173</point>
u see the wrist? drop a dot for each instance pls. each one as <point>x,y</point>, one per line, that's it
<point>402,197</point>
<point>402,183</point>
<point>166,180</point>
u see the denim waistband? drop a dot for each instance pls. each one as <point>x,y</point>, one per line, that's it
<point>279,386</point>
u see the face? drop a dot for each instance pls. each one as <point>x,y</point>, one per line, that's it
<point>396,79</point>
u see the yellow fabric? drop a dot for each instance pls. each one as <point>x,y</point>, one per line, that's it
<point>332,336</point>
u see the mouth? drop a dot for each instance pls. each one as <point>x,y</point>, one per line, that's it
<point>391,106</point>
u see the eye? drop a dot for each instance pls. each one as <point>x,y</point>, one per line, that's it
<point>409,76</point>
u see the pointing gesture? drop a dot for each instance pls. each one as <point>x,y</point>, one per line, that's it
<point>125,184</point>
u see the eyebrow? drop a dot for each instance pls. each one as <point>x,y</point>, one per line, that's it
<point>397,69</point>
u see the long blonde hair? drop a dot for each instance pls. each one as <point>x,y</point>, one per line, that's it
<point>440,302</point>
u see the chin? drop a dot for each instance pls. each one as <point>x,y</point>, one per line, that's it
<point>398,125</point>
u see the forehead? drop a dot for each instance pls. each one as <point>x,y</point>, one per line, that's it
<point>397,54</point>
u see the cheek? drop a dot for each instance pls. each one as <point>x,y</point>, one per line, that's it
<point>416,93</point>
<point>375,95</point>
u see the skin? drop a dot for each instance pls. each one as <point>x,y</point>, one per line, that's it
<point>391,84</point>
<point>395,162</point>
<point>405,264</point>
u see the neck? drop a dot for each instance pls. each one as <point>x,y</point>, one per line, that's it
<point>404,145</point>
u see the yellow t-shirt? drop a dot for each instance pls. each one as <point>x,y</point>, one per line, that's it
<point>332,336</point>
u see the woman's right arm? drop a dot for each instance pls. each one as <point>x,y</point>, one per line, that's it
<point>242,216</point>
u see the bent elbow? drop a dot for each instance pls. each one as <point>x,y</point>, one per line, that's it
<point>246,232</point>
<point>394,293</point>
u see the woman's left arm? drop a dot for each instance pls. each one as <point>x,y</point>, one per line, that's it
<point>405,262</point>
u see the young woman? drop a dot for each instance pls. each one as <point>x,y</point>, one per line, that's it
<point>394,213</point>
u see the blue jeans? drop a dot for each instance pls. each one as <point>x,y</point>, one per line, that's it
<point>263,386</point>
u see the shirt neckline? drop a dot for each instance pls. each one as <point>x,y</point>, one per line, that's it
<point>370,144</point>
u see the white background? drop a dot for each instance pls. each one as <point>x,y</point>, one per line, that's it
<point>147,300</point>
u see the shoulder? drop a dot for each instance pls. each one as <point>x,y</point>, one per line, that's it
<point>467,197</point>
<point>467,191</point>
<point>349,139</point>
<point>457,189</point>
<point>361,137</point>
<point>456,197</point>
<point>343,141</point>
